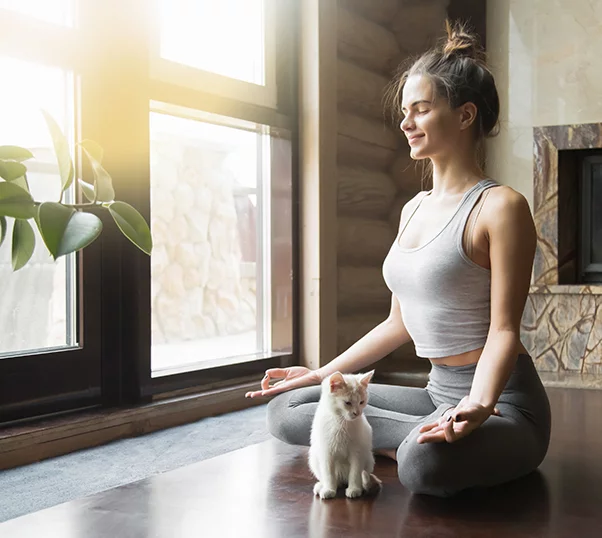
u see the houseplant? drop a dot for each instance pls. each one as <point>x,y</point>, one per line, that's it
<point>64,227</point>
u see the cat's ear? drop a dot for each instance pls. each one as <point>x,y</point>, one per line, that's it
<point>336,381</point>
<point>366,378</point>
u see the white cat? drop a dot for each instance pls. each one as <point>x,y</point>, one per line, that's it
<point>341,438</point>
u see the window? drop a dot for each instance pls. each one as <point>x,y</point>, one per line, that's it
<point>224,48</point>
<point>197,123</point>
<point>54,11</point>
<point>207,35</point>
<point>38,302</point>
<point>211,221</point>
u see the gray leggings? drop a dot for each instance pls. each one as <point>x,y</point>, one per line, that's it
<point>503,448</point>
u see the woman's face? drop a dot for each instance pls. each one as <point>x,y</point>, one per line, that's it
<point>430,125</point>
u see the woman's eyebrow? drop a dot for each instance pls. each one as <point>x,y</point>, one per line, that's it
<point>415,103</point>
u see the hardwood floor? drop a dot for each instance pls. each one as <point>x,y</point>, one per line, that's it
<point>265,491</point>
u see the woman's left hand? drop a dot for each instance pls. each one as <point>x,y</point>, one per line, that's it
<point>456,423</point>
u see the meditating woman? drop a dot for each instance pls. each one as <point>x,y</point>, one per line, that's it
<point>459,272</point>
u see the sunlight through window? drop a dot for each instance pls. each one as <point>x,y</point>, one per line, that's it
<point>225,37</point>
<point>39,300</point>
<point>54,11</point>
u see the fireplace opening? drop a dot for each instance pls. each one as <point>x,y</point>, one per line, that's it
<point>580,216</point>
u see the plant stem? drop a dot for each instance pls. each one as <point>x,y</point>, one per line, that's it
<point>82,206</point>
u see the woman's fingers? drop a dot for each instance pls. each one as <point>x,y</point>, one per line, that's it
<point>428,427</point>
<point>272,373</point>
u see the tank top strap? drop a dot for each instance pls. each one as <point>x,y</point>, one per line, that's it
<point>468,204</point>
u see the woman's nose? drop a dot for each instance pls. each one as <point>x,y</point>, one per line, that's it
<point>406,124</point>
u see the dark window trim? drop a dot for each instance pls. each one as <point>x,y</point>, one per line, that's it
<point>114,277</point>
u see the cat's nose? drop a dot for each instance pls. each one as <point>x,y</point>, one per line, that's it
<point>355,414</point>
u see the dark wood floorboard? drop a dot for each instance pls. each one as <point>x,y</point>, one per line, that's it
<point>264,491</point>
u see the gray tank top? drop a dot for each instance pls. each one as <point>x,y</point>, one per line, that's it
<point>444,296</point>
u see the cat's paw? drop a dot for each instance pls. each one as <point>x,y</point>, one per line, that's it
<point>317,488</point>
<point>326,493</point>
<point>352,493</point>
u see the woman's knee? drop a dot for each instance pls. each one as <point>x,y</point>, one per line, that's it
<point>424,469</point>
<point>285,422</point>
<point>277,417</point>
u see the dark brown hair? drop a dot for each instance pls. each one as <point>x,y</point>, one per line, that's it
<point>459,73</point>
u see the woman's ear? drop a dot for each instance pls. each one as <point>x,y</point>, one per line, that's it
<point>468,115</point>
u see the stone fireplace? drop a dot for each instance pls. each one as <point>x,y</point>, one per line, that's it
<point>562,325</point>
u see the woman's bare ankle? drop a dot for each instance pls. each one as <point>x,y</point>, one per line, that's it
<point>387,453</point>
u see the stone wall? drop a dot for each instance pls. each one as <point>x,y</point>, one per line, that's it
<point>544,57</point>
<point>200,286</point>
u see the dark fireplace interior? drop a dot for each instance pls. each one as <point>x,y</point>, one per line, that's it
<point>580,216</point>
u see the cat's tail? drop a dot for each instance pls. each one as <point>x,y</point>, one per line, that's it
<point>371,483</point>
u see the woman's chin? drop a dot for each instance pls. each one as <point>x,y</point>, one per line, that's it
<point>417,155</point>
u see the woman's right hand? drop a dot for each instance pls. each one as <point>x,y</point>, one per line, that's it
<point>290,378</point>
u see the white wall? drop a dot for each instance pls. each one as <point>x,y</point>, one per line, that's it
<point>547,59</point>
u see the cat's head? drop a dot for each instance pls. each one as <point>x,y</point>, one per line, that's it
<point>348,394</point>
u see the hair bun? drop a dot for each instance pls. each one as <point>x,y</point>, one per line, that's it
<point>461,42</point>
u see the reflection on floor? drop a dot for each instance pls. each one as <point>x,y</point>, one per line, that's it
<point>265,491</point>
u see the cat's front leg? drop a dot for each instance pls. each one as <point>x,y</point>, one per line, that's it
<point>355,487</point>
<point>327,487</point>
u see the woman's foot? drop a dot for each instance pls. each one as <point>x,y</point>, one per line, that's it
<point>387,453</point>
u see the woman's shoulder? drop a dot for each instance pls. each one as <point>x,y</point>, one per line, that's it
<point>506,198</point>
<point>503,204</point>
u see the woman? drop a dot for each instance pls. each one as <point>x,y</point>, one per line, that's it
<point>459,272</point>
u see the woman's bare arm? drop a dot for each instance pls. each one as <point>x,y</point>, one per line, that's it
<point>512,242</point>
<point>378,343</point>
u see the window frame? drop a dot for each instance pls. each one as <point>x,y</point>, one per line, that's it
<point>51,380</point>
<point>114,286</point>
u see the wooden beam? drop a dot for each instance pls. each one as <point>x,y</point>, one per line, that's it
<point>360,91</point>
<point>364,193</point>
<point>362,289</point>
<point>318,191</point>
<point>354,152</point>
<point>418,25</point>
<point>367,43</point>
<point>368,130</point>
<point>380,11</point>
<point>363,242</point>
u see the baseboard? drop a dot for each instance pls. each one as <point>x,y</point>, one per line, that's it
<point>21,445</point>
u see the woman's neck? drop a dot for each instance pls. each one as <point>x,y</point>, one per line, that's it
<point>455,175</point>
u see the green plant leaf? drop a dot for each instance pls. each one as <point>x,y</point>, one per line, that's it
<point>66,230</point>
<point>103,184</point>
<point>61,148</point>
<point>16,202</point>
<point>133,225</point>
<point>24,242</point>
<point>87,189</point>
<point>3,226</point>
<point>22,182</point>
<point>92,148</point>
<point>10,170</point>
<point>15,153</point>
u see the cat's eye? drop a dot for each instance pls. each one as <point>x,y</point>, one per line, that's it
<point>362,402</point>
<point>347,403</point>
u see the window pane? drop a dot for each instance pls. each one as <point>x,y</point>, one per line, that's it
<point>212,210</point>
<point>54,11</point>
<point>38,308</point>
<point>225,37</point>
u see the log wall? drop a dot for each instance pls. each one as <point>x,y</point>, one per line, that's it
<point>376,177</point>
